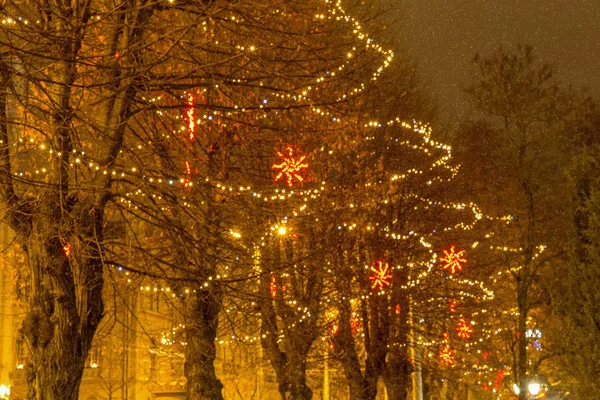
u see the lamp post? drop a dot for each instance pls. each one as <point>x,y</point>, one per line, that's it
<point>533,389</point>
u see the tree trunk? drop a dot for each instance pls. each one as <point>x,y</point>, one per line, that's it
<point>345,351</point>
<point>296,377</point>
<point>200,352</point>
<point>289,365</point>
<point>522,342</point>
<point>397,377</point>
<point>65,310</point>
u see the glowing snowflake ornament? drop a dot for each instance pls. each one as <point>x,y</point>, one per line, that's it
<point>453,261</point>
<point>464,330</point>
<point>381,278</point>
<point>290,167</point>
<point>446,353</point>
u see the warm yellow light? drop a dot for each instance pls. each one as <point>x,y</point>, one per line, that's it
<point>516,388</point>
<point>4,391</point>
<point>534,388</point>
<point>282,231</point>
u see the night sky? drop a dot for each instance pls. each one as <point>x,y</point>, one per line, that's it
<point>444,35</point>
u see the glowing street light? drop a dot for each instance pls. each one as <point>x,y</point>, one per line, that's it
<point>4,391</point>
<point>516,388</point>
<point>534,388</point>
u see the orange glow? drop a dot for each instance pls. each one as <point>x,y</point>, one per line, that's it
<point>273,286</point>
<point>355,325</point>
<point>67,249</point>
<point>335,328</point>
<point>452,305</point>
<point>191,117</point>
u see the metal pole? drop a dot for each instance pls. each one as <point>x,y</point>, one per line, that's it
<point>417,377</point>
<point>325,375</point>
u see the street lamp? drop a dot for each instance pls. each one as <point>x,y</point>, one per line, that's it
<point>516,389</point>
<point>4,391</point>
<point>533,388</point>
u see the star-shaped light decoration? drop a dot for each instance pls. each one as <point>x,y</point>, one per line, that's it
<point>446,353</point>
<point>453,260</point>
<point>464,330</point>
<point>290,167</point>
<point>381,278</point>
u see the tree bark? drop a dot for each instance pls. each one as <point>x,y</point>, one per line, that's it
<point>200,352</point>
<point>345,350</point>
<point>397,375</point>
<point>66,306</point>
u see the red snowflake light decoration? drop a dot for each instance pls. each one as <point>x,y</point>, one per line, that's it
<point>67,249</point>
<point>464,330</point>
<point>290,167</point>
<point>381,278</point>
<point>191,117</point>
<point>446,353</point>
<point>273,286</point>
<point>453,260</point>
